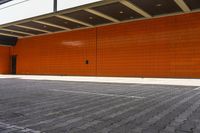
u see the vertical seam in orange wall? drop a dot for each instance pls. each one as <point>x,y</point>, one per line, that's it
<point>96,52</point>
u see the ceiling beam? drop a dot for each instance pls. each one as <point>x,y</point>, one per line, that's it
<point>10,35</point>
<point>52,25</point>
<point>182,5</point>
<point>31,28</point>
<point>102,15</point>
<point>135,8</point>
<point>74,20</point>
<point>20,32</point>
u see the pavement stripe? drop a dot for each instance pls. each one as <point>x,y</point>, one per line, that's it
<point>100,94</point>
<point>12,128</point>
<point>198,88</point>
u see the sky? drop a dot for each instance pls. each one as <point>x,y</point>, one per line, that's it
<point>23,9</point>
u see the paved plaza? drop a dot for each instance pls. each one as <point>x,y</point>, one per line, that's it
<point>34,106</point>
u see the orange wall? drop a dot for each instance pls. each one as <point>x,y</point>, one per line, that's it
<point>162,47</point>
<point>60,54</point>
<point>4,60</point>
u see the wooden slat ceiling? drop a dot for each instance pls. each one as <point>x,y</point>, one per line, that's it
<point>97,14</point>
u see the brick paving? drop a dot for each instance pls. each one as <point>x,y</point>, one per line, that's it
<point>34,106</point>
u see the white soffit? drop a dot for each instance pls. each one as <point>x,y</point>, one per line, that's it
<point>23,9</point>
<point>66,4</point>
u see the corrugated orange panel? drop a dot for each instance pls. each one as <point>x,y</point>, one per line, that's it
<point>162,47</point>
<point>4,60</point>
<point>58,54</point>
